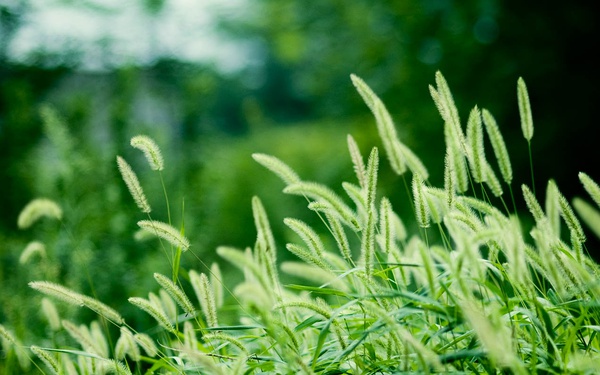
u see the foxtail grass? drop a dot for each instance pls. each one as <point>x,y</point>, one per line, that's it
<point>456,285</point>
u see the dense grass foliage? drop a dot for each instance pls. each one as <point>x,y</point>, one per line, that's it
<point>463,284</point>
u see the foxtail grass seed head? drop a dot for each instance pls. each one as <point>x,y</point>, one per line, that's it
<point>51,314</point>
<point>449,181</point>
<point>569,216</point>
<point>151,151</point>
<point>591,187</point>
<point>205,294</point>
<point>386,225</point>
<point>102,309</point>
<point>357,161</point>
<point>7,336</point>
<point>421,207</point>
<point>525,110</point>
<point>589,215</point>
<point>133,184</point>
<point>166,232</point>
<point>308,235</point>
<point>413,162</point>
<point>216,280</point>
<point>265,242</point>
<point>147,343</point>
<point>498,145</point>
<point>282,170</point>
<point>190,341</point>
<point>36,209</point>
<point>491,180</point>
<point>77,299</point>
<point>82,335</point>
<point>322,193</point>
<point>457,159</point>
<point>165,300</point>
<point>445,103</point>
<point>49,360</point>
<point>132,349</point>
<point>338,233</point>
<point>385,125</point>
<point>175,292</point>
<point>34,248</point>
<point>532,204</point>
<point>552,206</point>
<point>58,291</point>
<point>475,141</point>
<point>154,310</point>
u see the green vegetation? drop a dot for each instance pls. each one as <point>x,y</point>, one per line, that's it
<point>462,283</point>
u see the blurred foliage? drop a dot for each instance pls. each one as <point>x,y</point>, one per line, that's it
<point>294,100</point>
<point>482,46</point>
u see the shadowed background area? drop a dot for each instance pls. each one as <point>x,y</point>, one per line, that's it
<point>214,82</point>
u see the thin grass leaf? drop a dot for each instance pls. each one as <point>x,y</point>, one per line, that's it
<point>525,110</point>
<point>498,145</point>
<point>282,170</point>
<point>166,232</point>
<point>151,151</point>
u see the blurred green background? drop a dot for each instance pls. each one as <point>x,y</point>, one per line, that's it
<point>214,81</point>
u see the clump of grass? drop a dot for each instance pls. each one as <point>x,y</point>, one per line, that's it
<point>491,297</point>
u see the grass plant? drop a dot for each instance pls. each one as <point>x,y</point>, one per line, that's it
<point>491,296</point>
